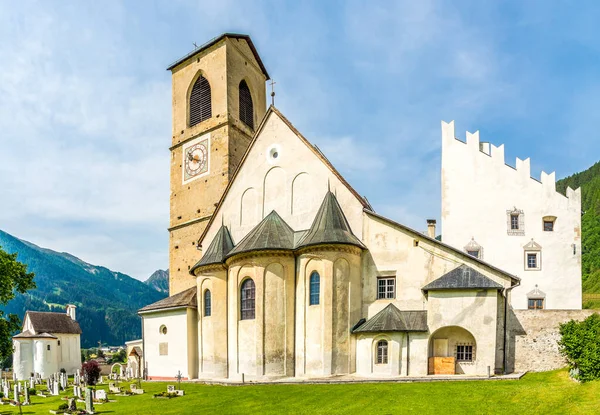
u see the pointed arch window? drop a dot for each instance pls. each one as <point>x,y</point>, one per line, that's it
<point>382,352</point>
<point>247,303</point>
<point>315,288</point>
<point>246,106</point>
<point>207,303</point>
<point>200,101</point>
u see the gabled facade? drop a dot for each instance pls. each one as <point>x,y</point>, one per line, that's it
<point>47,343</point>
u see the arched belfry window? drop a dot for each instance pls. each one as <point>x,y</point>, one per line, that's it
<point>315,288</point>
<point>200,105</point>
<point>207,303</point>
<point>247,304</point>
<point>246,106</point>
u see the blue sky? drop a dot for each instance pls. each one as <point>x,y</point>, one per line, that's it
<point>85,102</point>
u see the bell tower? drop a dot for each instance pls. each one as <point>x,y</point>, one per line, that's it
<point>219,98</point>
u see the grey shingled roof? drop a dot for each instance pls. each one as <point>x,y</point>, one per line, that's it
<point>460,278</point>
<point>30,335</point>
<point>217,250</point>
<point>330,226</point>
<point>272,233</point>
<point>48,322</point>
<point>391,319</point>
<point>185,298</point>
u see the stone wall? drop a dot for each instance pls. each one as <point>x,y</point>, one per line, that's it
<point>534,335</point>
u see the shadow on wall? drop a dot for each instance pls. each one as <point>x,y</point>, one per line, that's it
<point>514,329</point>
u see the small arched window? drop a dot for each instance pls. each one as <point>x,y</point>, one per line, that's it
<point>246,106</point>
<point>207,305</point>
<point>247,305</point>
<point>200,104</point>
<point>382,352</point>
<point>315,288</point>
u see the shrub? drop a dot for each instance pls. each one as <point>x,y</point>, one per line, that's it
<point>580,344</point>
<point>32,391</point>
<point>63,406</point>
<point>1,395</point>
<point>91,372</point>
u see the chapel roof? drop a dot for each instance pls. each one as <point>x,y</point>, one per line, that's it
<point>50,322</point>
<point>186,298</point>
<point>31,335</point>
<point>136,351</point>
<point>218,249</point>
<point>216,40</point>
<point>392,319</point>
<point>272,233</point>
<point>330,226</point>
<point>460,278</point>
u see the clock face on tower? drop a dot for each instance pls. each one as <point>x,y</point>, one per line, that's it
<point>195,158</point>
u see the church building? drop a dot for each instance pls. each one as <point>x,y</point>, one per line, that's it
<point>279,268</point>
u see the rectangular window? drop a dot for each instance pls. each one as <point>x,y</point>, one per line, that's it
<point>514,222</point>
<point>548,226</point>
<point>532,261</point>
<point>535,304</point>
<point>473,253</point>
<point>464,353</point>
<point>386,288</point>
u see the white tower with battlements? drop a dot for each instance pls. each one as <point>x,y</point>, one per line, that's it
<point>513,221</point>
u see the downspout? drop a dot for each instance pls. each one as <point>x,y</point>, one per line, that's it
<point>407,354</point>
<point>143,350</point>
<point>504,351</point>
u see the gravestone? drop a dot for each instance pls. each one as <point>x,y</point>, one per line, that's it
<point>55,390</point>
<point>20,387</point>
<point>72,404</point>
<point>63,380</point>
<point>26,397</point>
<point>89,401</point>
<point>32,383</point>
<point>100,394</point>
<point>6,389</point>
<point>171,388</point>
<point>16,393</point>
<point>78,393</point>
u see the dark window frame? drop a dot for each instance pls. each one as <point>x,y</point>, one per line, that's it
<point>535,304</point>
<point>248,300</point>
<point>200,102</point>
<point>383,285</point>
<point>464,352</point>
<point>314,288</point>
<point>382,352</point>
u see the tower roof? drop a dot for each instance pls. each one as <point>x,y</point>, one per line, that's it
<point>272,233</point>
<point>462,278</point>
<point>217,40</point>
<point>330,226</point>
<point>217,250</point>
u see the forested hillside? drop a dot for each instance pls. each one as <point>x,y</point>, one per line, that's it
<point>107,301</point>
<point>589,181</point>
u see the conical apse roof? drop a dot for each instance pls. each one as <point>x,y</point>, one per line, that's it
<point>330,226</point>
<point>271,233</point>
<point>217,250</point>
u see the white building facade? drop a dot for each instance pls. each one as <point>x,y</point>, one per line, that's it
<point>509,219</point>
<point>48,343</point>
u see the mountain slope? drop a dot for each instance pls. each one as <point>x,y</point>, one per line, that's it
<point>589,181</point>
<point>159,280</point>
<point>106,301</point>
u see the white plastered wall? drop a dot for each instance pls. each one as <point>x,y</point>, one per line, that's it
<point>478,189</point>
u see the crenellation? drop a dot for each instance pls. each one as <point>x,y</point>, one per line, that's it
<point>548,180</point>
<point>473,140</point>
<point>524,167</point>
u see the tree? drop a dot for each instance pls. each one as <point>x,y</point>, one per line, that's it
<point>14,278</point>
<point>580,344</point>
<point>90,372</point>
<point>119,357</point>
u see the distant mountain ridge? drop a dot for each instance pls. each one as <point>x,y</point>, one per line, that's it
<point>107,301</point>
<point>589,181</point>
<point>159,280</point>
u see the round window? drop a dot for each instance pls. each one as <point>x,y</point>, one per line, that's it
<point>163,329</point>
<point>273,153</point>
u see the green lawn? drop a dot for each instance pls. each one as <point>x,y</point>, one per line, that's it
<point>536,393</point>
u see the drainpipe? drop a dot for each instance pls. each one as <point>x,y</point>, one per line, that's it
<point>407,354</point>
<point>504,351</point>
<point>143,369</point>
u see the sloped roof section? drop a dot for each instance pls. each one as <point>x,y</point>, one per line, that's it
<point>185,298</point>
<point>48,322</point>
<point>30,335</point>
<point>461,278</point>
<point>272,233</point>
<point>391,319</point>
<point>330,226</point>
<point>216,40</point>
<point>217,250</point>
